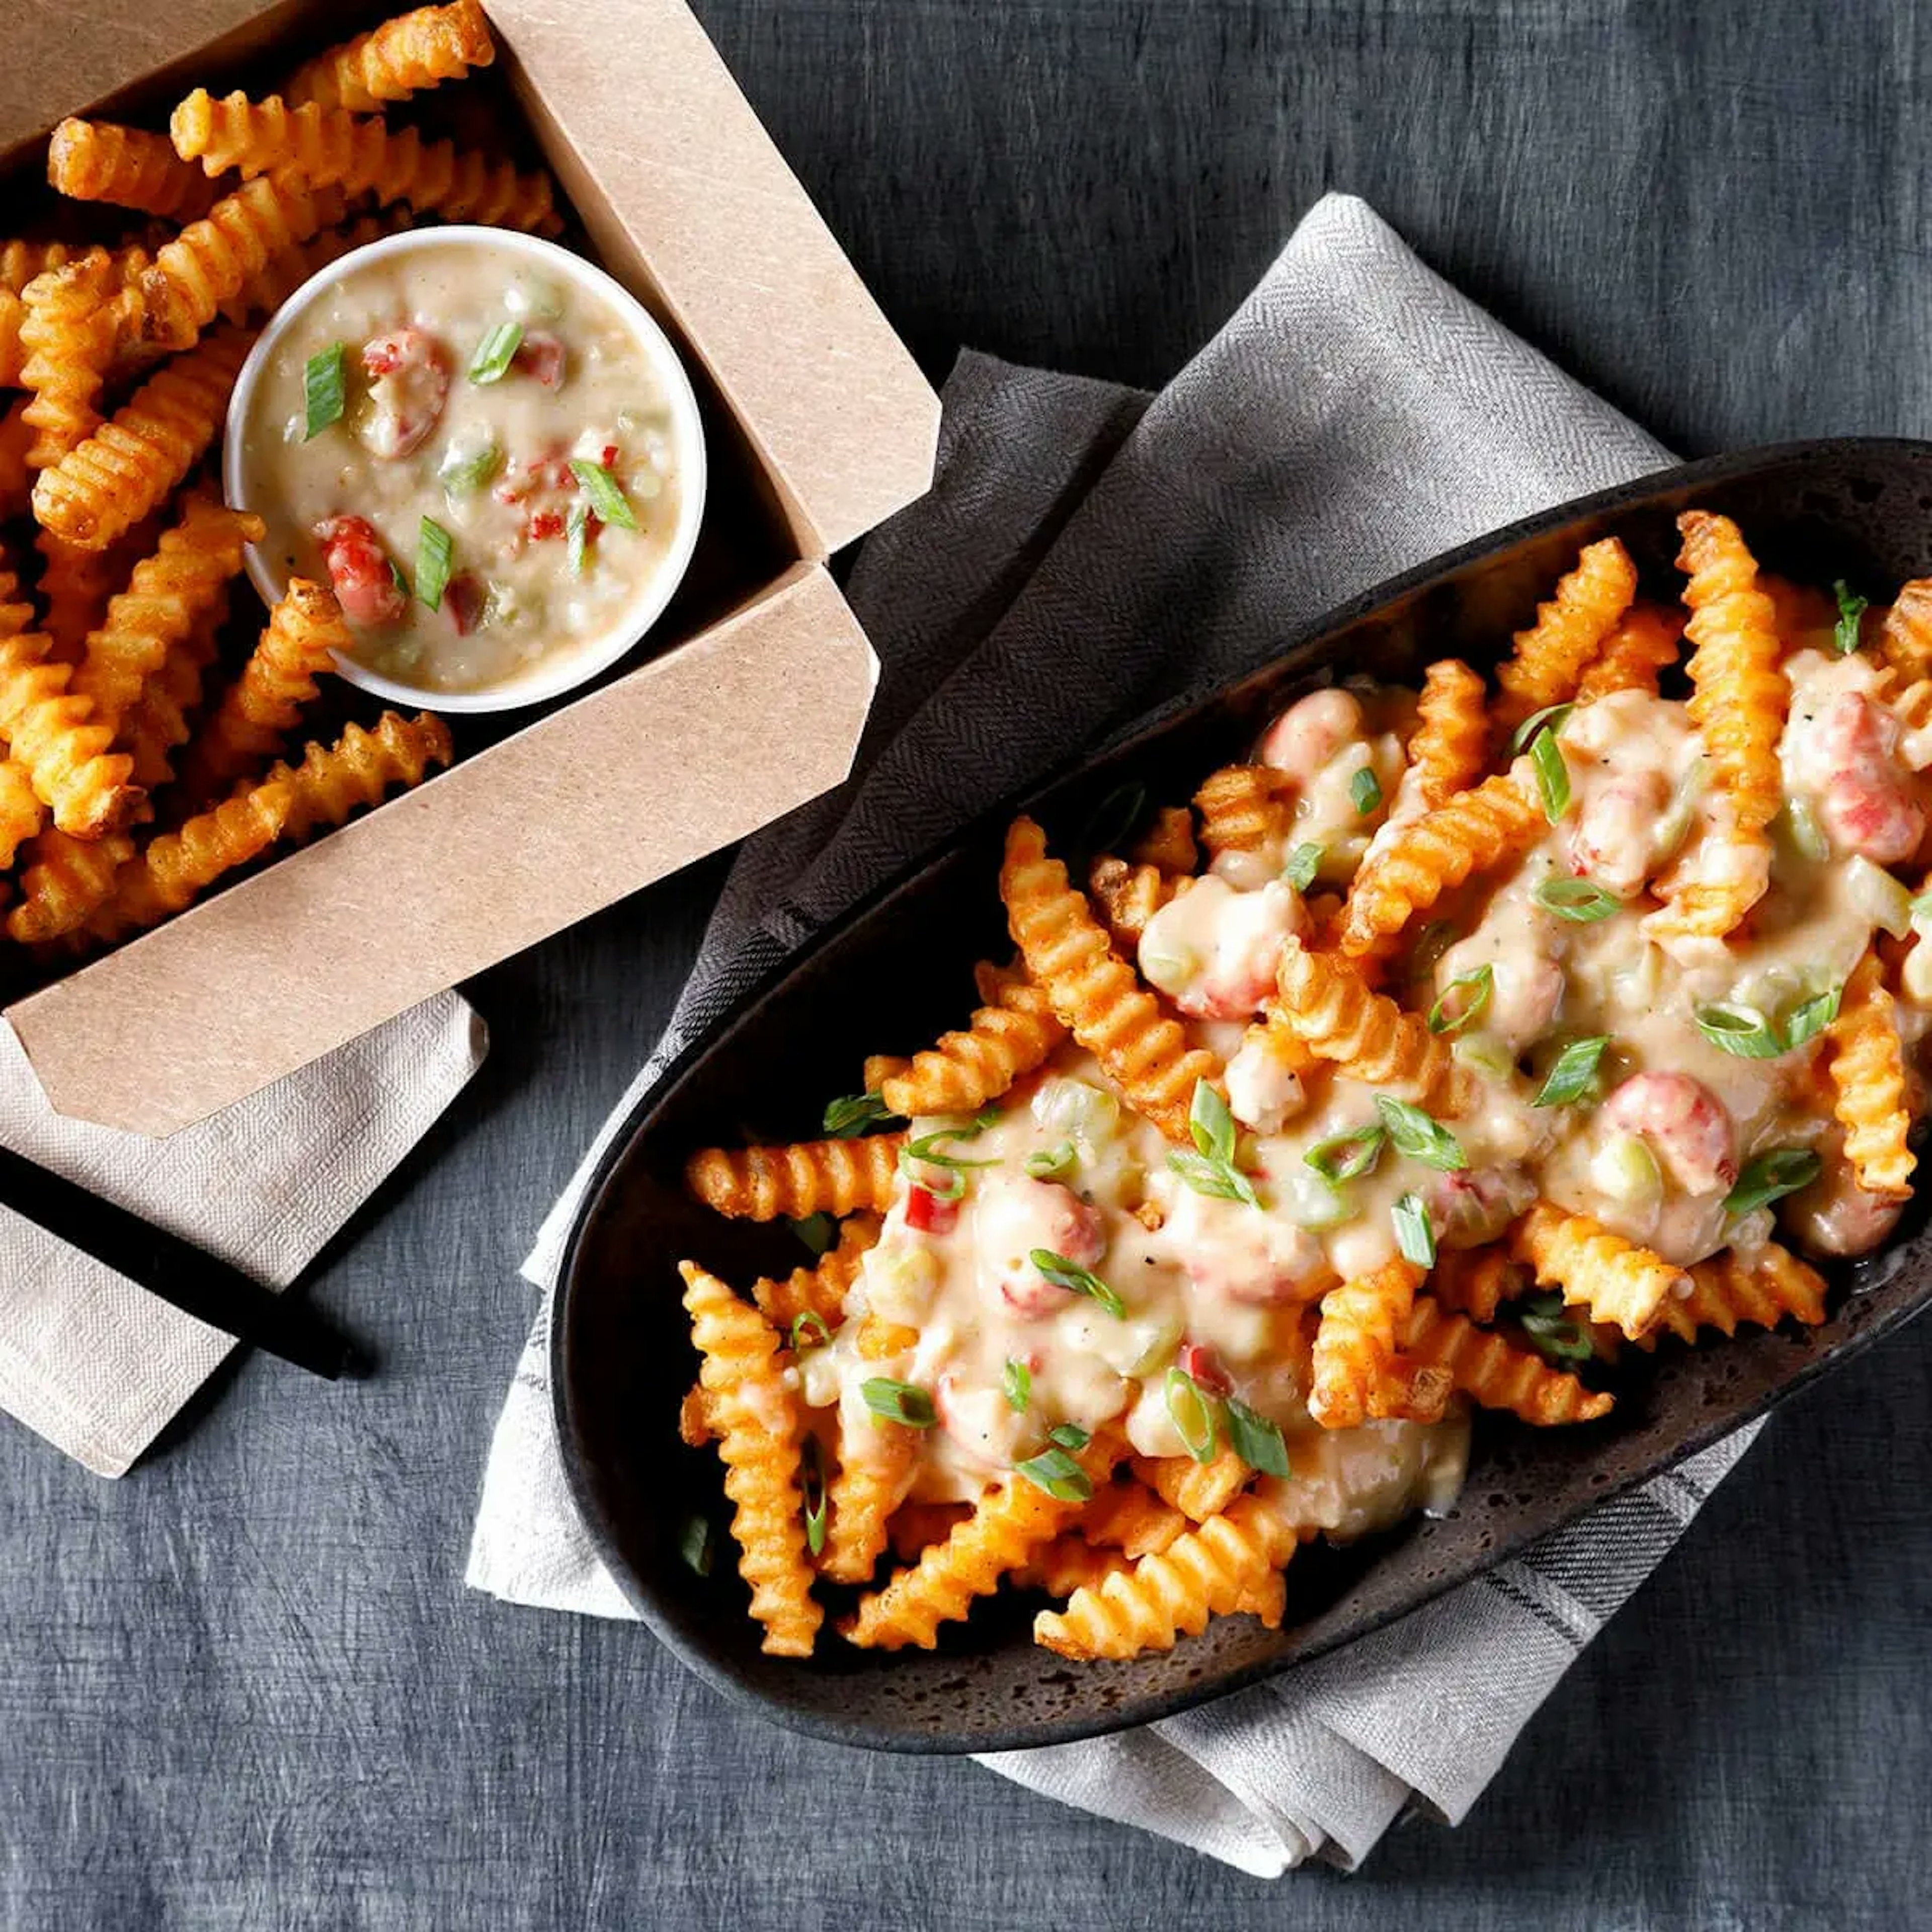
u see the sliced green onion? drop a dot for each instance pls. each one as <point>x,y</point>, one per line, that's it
<point>811,1492</point>
<point>1256,1439</point>
<point>1556,1336</point>
<point>1771,1177</point>
<point>1049,1163</point>
<point>324,390</point>
<point>1365,790</point>
<point>1304,862</point>
<point>898,1401</point>
<point>1056,1472</point>
<point>1414,1133</point>
<point>1069,1436</point>
<point>1575,1067</point>
<point>855,1114</point>
<point>1553,715</point>
<point>1581,900</point>
<point>694,1545</point>
<point>1340,1157</point>
<point>1553,775</point>
<point>1214,1179</point>
<point>1876,896</point>
<point>1413,1235</point>
<point>1739,1030</point>
<point>1211,1122</point>
<point>1211,1170</point>
<point>1481,985</point>
<point>464,476</point>
<point>951,1185</point>
<point>496,352</point>
<point>817,1231</point>
<point>917,1157</point>
<point>1851,608</point>
<point>397,577</point>
<point>1812,1016</point>
<point>1431,943</point>
<point>576,538</point>
<point>606,493</point>
<point>1193,1417</point>
<point>1016,1379</point>
<point>802,1326</point>
<point>1800,824</point>
<point>435,550</point>
<point>1064,1273</point>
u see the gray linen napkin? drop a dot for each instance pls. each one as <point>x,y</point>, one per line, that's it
<point>98,1366</point>
<point>1086,552</point>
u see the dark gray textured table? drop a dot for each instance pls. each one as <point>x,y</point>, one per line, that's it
<point>244,1688</point>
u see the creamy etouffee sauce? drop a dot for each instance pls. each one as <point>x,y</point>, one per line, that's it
<point>1651,1145</point>
<point>534,570</point>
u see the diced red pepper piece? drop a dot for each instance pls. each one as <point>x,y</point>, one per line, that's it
<point>928,1213</point>
<point>546,523</point>
<point>1198,1359</point>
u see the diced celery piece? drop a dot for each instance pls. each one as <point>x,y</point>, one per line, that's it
<point>1305,1198</point>
<point>1483,1053</point>
<point>1878,896</point>
<point>1075,1110</point>
<point>1626,1171</point>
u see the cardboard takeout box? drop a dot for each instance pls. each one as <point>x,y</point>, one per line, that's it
<point>751,692</point>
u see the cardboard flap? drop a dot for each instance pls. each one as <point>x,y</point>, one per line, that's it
<point>688,184</point>
<point>691,751</point>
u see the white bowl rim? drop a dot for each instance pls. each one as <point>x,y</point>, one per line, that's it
<point>565,669</point>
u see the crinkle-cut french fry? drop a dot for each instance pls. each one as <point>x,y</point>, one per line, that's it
<point>22,814</point>
<point>881,1067</point>
<point>16,479</point>
<point>1198,1490</point>
<point>1013,1520</point>
<point>1730,1289</point>
<point>1168,842</point>
<point>1492,823</point>
<point>1096,994</point>
<point>1213,1570</point>
<point>820,1290</point>
<point>1476,1281</point>
<point>1128,1516</point>
<point>285,270</point>
<point>1069,1563</point>
<point>168,594</point>
<point>98,160</point>
<point>173,870</point>
<point>828,1177</point>
<point>1905,637</point>
<point>63,881</point>
<point>263,705</point>
<point>876,1460</point>
<point>329,148</point>
<point>1867,1075</point>
<point>914,1525</point>
<point>1550,655</point>
<point>1635,654</point>
<point>52,732</point>
<point>1496,1369</point>
<point>67,341</point>
<point>20,262</point>
<point>212,261</point>
<point>1616,1280</point>
<point>1243,808</point>
<point>159,720</point>
<point>129,465</point>
<point>75,585</point>
<point>1355,1344</point>
<point>1323,1001</point>
<point>333,781</point>
<point>1128,895</point>
<point>1007,1037</point>
<point>760,1433</point>
<point>401,57</point>
<point>1450,744</point>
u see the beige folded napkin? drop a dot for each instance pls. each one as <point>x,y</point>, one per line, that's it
<point>98,1366</point>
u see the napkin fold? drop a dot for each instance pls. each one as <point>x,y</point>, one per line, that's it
<point>1086,552</point>
<point>99,1366</point>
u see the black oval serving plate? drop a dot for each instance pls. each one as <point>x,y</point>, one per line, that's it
<point>896,974</point>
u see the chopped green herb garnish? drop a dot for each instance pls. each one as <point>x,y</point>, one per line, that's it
<point>1413,1235</point>
<point>496,352</point>
<point>1450,1015</point>
<point>576,538</point>
<point>1554,716</point>
<point>1256,1439</point>
<point>1416,1134</point>
<point>464,478</point>
<point>1553,775</point>
<point>1211,1169</point>
<point>855,1114</point>
<point>1016,1379</point>
<point>694,1545</point>
<point>802,1323</point>
<point>1582,900</point>
<point>917,1157</point>
<point>898,1401</point>
<point>1304,862</point>
<point>811,1491</point>
<point>1812,1016</point>
<point>1341,1157</point>
<point>1771,1177</point>
<point>435,550</point>
<point>1365,790</point>
<point>1575,1069</point>
<point>324,391</point>
<point>606,493</point>
<point>1193,1417</point>
<point>1739,1030</point>
<point>1555,1336</point>
<point>1056,1472</point>
<point>1851,608</point>
<point>1064,1273</point>
<point>1049,1163</point>
<point>1069,1436</point>
<point>817,1231</point>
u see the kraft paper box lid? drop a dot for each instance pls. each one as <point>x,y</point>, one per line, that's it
<point>684,196</point>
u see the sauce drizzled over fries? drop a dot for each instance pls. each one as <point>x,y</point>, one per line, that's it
<point>1439,1053</point>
